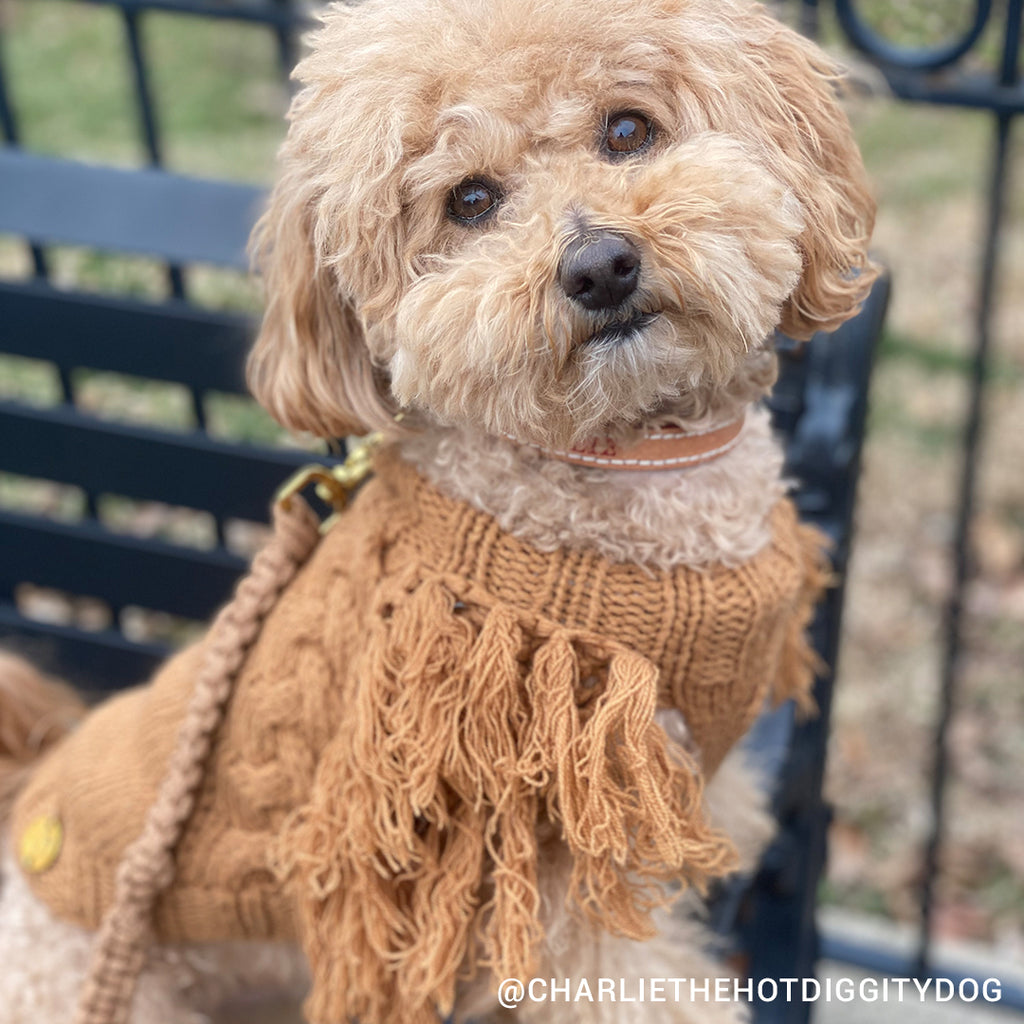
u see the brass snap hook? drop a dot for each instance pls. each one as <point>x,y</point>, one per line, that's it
<point>334,484</point>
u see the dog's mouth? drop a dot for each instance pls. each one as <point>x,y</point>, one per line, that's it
<point>619,331</point>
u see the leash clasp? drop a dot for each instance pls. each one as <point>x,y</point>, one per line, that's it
<point>334,484</point>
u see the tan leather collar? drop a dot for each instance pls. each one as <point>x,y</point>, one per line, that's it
<point>663,448</point>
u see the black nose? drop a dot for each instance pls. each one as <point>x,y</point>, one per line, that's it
<point>600,270</point>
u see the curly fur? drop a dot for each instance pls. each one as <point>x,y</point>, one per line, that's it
<point>682,949</point>
<point>749,211</point>
<point>35,712</point>
<point>716,513</point>
<point>45,960</point>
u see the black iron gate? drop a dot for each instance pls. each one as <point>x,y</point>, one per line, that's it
<point>950,74</point>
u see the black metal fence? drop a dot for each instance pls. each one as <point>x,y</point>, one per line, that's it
<point>184,223</point>
<point>281,18</point>
<point>951,74</point>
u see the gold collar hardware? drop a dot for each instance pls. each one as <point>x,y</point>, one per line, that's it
<point>334,484</point>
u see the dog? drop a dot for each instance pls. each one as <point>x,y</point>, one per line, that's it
<point>524,238</point>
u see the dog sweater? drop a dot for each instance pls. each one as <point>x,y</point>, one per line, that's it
<point>426,694</point>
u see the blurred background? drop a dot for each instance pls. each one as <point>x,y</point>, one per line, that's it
<point>220,95</point>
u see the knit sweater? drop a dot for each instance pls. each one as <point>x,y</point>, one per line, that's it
<point>425,693</point>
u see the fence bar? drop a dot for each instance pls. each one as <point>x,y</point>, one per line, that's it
<point>287,50</point>
<point>1001,92</point>
<point>9,127</point>
<point>917,59</point>
<point>148,120</point>
<point>963,562</point>
<point>98,661</point>
<point>7,122</point>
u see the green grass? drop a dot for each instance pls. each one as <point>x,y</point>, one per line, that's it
<point>928,24</point>
<point>116,396</point>
<point>934,359</point>
<point>1002,893</point>
<point>919,156</point>
<point>41,497</point>
<point>32,381</point>
<point>863,898</point>
<point>217,87</point>
<point>69,85</point>
<point>220,98</point>
<point>234,418</point>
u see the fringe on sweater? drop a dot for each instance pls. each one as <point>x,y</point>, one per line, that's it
<point>470,721</point>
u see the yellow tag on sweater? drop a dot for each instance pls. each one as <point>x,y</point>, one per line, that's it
<point>41,843</point>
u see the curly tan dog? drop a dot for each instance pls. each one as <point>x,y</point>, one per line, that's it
<point>558,237</point>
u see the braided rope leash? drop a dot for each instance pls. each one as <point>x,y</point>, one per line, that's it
<point>147,867</point>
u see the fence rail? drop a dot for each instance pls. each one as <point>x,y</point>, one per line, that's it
<point>183,222</point>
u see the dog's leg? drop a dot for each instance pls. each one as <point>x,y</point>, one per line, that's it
<point>682,950</point>
<point>35,712</point>
<point>737,802</point>
<point>43,962</point>
<point>234,974</point>
<point>44,959</point>
<point>603,972</point>
<point>588,978</point>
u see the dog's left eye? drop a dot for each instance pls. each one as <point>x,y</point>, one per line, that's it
<point>626,133</point>
<point>472,200</point>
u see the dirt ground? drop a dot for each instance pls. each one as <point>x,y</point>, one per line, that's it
<point>930,173</point>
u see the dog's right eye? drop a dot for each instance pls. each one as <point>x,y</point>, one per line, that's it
<point>472,200</point>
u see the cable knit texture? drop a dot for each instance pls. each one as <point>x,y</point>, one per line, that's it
<point>424,692</point>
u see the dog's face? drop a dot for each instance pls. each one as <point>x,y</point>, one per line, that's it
<point>548,218</point>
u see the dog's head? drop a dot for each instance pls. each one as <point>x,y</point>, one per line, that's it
<point>548,218</point>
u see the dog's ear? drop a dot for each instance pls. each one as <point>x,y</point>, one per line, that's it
<point>310,367</point>
<point>812,149</point>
